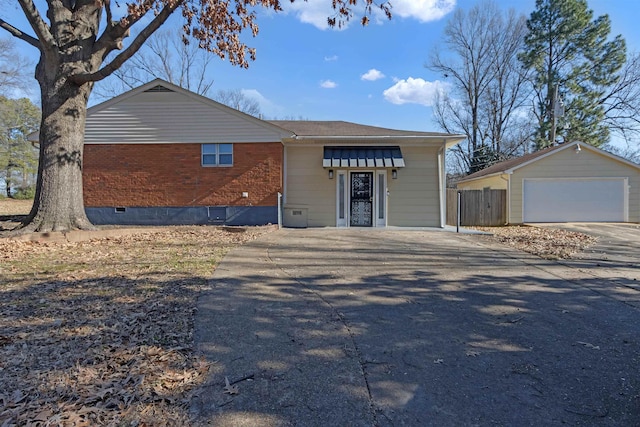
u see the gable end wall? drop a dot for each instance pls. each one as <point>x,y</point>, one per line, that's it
<point>171,117</point>
<point>569,164</point>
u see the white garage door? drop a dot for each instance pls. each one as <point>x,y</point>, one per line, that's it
<point>574,200</point>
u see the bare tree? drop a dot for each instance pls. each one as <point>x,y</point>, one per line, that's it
<point>13,70</point>
<point>168,55</point>
<point>626,151</point>
<point>234,98</point>
<point>506,101</point>
<point>489,88</point>
<point>173,57</point>
<point>622,102</point>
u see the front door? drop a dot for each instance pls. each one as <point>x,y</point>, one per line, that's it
<point>361,199</point>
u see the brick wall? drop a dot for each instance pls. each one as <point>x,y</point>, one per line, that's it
<point>148,175</point>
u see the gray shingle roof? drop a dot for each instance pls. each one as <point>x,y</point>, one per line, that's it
<point>341,128</point>
<point>511,163</point>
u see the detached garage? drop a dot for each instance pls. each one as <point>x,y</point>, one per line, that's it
<point>572,182</point>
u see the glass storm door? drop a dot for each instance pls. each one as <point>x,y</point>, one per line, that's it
<point>361,199</point>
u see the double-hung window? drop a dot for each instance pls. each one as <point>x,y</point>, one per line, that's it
<point>217,154</point>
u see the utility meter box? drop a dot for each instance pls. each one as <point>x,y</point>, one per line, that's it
<point>295,216</point>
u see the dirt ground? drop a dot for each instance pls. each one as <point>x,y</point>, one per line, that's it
<point>15,207</point>
<point>101,332</point>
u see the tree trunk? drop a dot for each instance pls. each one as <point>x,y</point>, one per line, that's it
<point>58,204</point>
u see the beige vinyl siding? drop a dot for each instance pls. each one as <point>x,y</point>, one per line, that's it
<point>308,184</point>
<point>569,164</point>
<point>495,182</point>
<point>414,199</point>
<point>413,196</point>
<point>171,117</point>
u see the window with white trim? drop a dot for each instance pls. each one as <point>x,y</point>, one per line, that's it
<point>217,155</point>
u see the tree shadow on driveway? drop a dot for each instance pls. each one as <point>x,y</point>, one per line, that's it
<point>412,328</point>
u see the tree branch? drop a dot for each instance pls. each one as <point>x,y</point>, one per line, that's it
<point>137,43</point>
<point>19,34</point>
<point>107,7</point>
<point>37,23</point>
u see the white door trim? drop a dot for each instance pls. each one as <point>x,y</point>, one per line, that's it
<point>380,198</point>
<point>342,210</point>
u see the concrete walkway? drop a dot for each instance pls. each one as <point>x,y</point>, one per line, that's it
<point>386,328</point>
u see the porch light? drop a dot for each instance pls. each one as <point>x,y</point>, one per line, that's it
<point>330,173</point>
<point>578,149</point>
<point>394,173</point>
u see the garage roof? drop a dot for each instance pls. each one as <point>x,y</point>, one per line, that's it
<point>508,166</point>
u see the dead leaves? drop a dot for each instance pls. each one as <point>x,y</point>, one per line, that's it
<point>228,388</point>
<point>546,243</point>
<point>101,332</point>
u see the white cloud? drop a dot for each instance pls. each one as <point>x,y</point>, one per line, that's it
<point>372,75</point>
<point>331,58</point>
<point>316,12</point>
<point>414,91</point>
<point>423,10</point>
<point>267,107</point>
<point>328,84</point>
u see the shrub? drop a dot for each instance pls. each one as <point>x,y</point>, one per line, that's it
<point>25,193</point>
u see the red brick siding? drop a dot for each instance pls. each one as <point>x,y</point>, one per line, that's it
<point>147,175</point>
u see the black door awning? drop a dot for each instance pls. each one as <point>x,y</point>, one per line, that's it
<point>362,157</point>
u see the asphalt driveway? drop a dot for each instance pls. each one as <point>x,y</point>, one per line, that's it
<point>387,328</point>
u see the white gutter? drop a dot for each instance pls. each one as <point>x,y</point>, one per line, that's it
<point>448,140</point>
<point>284,174</point>
<point>442,185</point>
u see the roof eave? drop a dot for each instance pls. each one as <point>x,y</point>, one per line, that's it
<point>453,140</point>
<point>504,172</point>
<point>448,140</point>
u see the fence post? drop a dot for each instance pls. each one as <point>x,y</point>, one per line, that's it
<point>458,212</point>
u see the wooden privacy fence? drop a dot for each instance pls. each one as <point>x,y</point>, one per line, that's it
<point>477,207</point>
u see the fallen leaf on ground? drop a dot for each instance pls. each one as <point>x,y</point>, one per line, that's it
<point>228,388</point>
<point>100,332</point>
<point>589,345</point>
<point>548,243</point>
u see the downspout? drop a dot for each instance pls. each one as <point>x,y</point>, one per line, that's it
<point>508,179</point>
<point>284,173</point>
<point>442,178</point>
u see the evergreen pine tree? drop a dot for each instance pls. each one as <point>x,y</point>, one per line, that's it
<point>567,48</point>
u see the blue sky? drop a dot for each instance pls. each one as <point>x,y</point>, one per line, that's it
<point>372,75</point>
